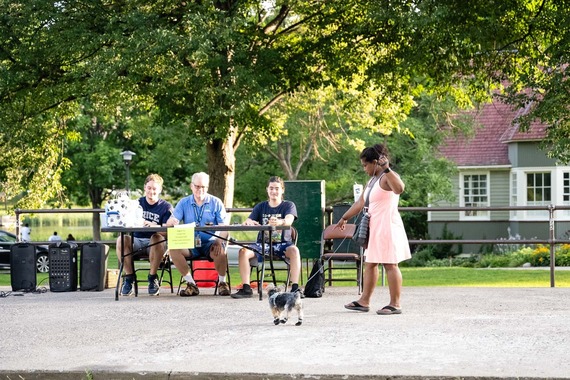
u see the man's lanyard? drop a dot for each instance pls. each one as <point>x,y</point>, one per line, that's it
<point>198,213</point>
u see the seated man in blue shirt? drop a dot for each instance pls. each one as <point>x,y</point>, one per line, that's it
<point>205,210</point>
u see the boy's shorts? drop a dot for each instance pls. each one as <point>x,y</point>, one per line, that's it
<point>278,249</point>
<point>142,244</point>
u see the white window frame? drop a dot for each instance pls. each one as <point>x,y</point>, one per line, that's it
<point>514,199</point>
<point>539,215</point>
<point>482,215</point>
<point>564,198</point>
<point>558,190</point>
<point>566,187</point>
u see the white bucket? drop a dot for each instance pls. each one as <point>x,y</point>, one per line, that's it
<point>103,219</point>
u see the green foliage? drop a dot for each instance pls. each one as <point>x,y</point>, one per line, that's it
<point>502,261</point>
<point>442,251</point>
<point>538,256</point>
<point>36,177</point>
<point>519,257</point>
<point>94,152</point>
<point>563,259</point>
<point>88,375</point>
<point>212,70</point>
<point>420,258</point>
<point>325,125</point>
<point>254,168</point>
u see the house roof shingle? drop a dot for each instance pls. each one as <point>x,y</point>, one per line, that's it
<point>494,129</point>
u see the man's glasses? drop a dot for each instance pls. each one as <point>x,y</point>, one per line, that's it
<point>200,187</point>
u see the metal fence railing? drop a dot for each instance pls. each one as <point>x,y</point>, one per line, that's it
<point>551,241</point>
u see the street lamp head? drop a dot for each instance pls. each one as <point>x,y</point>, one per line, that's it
<point>127,156</point>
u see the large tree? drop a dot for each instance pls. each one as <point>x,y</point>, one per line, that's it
<point>217,67</point>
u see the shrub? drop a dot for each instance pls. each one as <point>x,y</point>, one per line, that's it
<point>494,261</point>
<point>438,263</point>
<point>540,256</point>
<point>420,258</point>
<point>537,257</point>
<point>448,250</point>
<point>563,255</point>
<point>467,262</point>
<point>520,257</point>
<point>563,259</point>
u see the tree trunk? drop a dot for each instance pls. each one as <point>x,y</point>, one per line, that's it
<point>221,168</point>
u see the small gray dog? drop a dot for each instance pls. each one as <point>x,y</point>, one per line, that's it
<point>282,303</point>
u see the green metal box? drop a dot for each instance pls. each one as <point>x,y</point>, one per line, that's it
<point>309,197</point>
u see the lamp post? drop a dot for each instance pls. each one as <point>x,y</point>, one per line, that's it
<point>127,158</point>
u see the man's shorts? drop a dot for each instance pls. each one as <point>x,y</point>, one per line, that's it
<point>203,250</point>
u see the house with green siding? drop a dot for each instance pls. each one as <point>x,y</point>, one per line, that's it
<point>501,166</point>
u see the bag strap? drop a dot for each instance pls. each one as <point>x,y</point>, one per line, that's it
<point>370,185</point>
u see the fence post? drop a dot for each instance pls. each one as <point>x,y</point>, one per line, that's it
<point>551,236</point>
<point>17,224</point>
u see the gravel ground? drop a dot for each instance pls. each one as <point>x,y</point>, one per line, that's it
<point>443,332</point>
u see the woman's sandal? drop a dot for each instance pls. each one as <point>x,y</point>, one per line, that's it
<point>354,305</point>
<point>389,310</point>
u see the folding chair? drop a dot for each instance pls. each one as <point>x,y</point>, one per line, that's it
<point>337,245</point>
<point>204,266</point>
<point>201,264</point>
<point>165,265</point>
<point>259,266</point>
<point>143,255</point>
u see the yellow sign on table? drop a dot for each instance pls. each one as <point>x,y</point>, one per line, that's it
<point>181,236</point>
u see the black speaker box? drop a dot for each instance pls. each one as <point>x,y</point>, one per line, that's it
<point>23,266</point>
<point>93,266</point>
<point>62,267</point>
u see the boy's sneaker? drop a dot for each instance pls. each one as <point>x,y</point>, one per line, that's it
<point>127,288</point>
<point>243,294</point>
<point>191,290</point>
<point>153,285</point>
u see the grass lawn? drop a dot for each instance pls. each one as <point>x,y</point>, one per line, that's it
<point>449,276</point>
<point>477,277</point>
<point>471,277</point>
<point>432,276</point>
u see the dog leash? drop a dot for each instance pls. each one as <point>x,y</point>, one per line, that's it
<point>369,186</point>
<point>322,269</point>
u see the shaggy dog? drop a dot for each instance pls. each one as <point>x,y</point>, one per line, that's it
<point>281,304</point>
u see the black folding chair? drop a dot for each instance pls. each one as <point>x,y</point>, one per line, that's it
<point>337,246</point>
<point>268,257</point>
